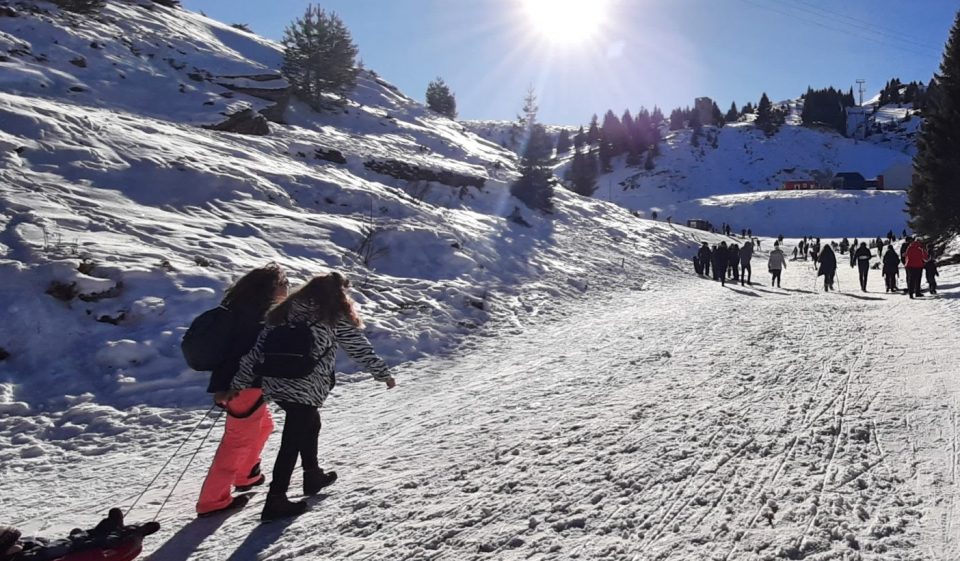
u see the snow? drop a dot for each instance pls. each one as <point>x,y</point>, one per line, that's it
<point>567,390</point>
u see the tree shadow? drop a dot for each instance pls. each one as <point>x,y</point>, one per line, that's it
<point>187,539</point>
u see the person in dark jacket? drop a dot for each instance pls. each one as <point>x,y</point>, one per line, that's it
<point>720,254</point>
<point>862,258</point>
<point>705,256</point>
<point>828,266</point>
<point>249,424</point>
<point>746,254</point>
<point>324,306</point>
<point>733,261</point>
<point>930,267</point>
<point>891,268</point>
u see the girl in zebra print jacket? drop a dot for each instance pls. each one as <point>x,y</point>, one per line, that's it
<point>324,304</point>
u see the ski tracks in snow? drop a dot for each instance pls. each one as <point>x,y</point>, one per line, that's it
<point>685,422</point>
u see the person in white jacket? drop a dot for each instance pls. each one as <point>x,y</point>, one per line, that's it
<point>776,263</point>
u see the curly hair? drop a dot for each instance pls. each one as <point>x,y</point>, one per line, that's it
<point>255,291</point>
<point>326,297</point>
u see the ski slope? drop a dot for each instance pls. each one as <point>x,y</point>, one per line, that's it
<point>674,420</point>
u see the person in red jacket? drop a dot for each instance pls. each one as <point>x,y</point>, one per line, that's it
<point>914,259</point>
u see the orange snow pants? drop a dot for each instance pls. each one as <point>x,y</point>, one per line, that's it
<point>239,450</point>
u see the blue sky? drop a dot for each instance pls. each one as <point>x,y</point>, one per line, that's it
<point>648,52</point>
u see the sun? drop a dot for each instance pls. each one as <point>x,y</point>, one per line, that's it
<point>566,21</point>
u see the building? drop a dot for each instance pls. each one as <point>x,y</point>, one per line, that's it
<point>851,180</point>
<point>801,185</point>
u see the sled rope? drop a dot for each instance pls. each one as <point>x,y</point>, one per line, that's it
<point>192,456</point>
<point>177,451</point>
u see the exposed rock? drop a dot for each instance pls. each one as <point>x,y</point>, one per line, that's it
<point>270,87</point>
<point>79,61</point>
<point>247,121</point>
<point>8,12</point>
<point>330,155</point>
<point>410,172</point>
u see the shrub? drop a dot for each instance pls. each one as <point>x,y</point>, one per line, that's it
<point>319,56</point>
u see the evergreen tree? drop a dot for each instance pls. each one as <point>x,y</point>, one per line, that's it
<point>732,113</point>
<point>693,121</point>
<point>765,119</point>
<point>613,134</point>
<point>676,119</point>
<point>319,56</point>
<point>441,99</point>
<point>579,139</point>
<point>747,109</point>
<point>583,173</point>
<point>593,132</point>
<point>530,108</point>
<point>606,154</point>
<point>535,184</point>
<point>656,116</point>
<point>717,115</point>
<point>563,142</point>
<point>934,196</point>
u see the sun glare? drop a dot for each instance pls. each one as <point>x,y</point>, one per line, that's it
<point>566,21</point>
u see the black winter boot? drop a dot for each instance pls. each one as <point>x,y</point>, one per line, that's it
<point>316,479</point>
<point>278,506</point>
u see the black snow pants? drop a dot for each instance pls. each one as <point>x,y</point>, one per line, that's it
<point>913,281</point>
<point>932,283</point>
<point>746,273</point>
<point>775,273</point>
<point>891,282</point>
<point>301,429</point>
<point>864,267</point>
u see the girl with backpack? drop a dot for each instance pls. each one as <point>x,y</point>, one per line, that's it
<point>323,311</point>
<point>237,461</point>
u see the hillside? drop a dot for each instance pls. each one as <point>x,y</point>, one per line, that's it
<point>123,216</point>
<point>739,159</point>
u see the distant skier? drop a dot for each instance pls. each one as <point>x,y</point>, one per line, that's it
<point>828,266</point>
<point>720,254</point>
<point>705,256</point>
<point>776,263</point>
<point>862,257</point>
<point>879,243</point>
<point>891,268</point>
<point>746,254</point>
<point>322,315</point>
<point>794,253</point>
<point>915,258</point>
<point>930,267</point>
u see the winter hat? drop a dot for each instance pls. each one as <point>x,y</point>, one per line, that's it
<point>8,541</point>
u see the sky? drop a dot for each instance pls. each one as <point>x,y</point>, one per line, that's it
<point>624,54</point>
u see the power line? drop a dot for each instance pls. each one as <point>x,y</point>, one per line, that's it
<point>833,27</point>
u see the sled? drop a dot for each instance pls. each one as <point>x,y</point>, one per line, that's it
<point>111,540</point>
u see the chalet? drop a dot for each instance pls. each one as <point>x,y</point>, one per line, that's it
<point>851,180</point>
<point>801,185</point>
<point>700,224</point>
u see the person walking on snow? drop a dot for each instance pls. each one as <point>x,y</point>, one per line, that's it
<point>914,259</point>
<point>249,424</point>
<point>930,267</point>
<point>324,306</point>
<point>828,266</point>
<point>746,254</point>
<point>720,263</point>
<point>776,263</point>
<point>733,261</point>
<point>862,256</point>
<point>705,256</point>
<point>891,268</point>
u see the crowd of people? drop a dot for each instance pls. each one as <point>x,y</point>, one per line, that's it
<point>732,261</point>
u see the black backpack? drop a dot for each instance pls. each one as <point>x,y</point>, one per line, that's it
<point>288,352</point>
<point>206,344</point>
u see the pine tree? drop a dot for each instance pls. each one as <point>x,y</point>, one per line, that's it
<point>579,139</point>
<point>732,113</point>
<point>656,116</point>
<point>319,56</point>
<point>534,187</point>
<point>747,109</point>
<point>934,196</point>
<point>583,173</point>
<point>676,119</point>
<point>613,134</point>
<point>717,115</point>
<point>563,142</point>
<point>765,118</point>
<point>441,99</point>
<point>593,132</point>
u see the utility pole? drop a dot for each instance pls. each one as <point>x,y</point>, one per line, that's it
<point>860,83</point>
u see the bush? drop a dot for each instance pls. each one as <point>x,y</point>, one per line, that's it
<point>319,56</point>
<point>242,27</point>
<point>80,6</point>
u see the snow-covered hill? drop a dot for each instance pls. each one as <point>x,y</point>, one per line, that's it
<point>122,216</point>
<point>740,159</point>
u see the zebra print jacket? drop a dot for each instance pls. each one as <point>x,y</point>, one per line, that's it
<point>313,389</point>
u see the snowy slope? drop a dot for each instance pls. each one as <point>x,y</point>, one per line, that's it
<point>117,201</point>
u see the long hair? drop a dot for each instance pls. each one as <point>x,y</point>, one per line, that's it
<point>324,296</point>
<point>255,291</point>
